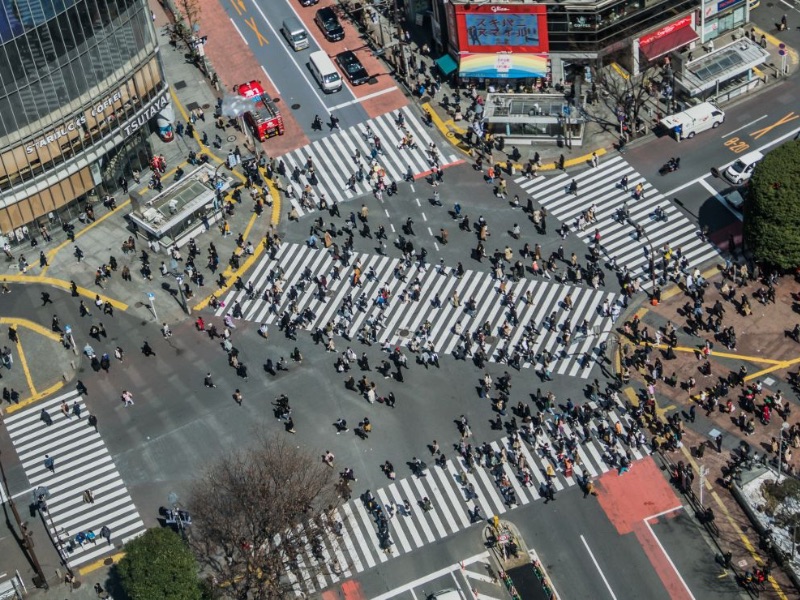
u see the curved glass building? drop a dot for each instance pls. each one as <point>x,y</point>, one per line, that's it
<point>79,81</point>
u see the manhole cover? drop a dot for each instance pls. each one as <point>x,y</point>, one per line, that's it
<point>179,85</point>
<point>403,332</point>
<point>231,138</point>
<point>206,106</point>
<point>192,106</point>
<point>329,293</point>
<point>490,339</point>
<point>295,106</point>
<point>276,99</point>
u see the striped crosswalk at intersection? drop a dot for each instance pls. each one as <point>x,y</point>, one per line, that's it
<point>81,462</point>
<point>296,266</point>
<point>334,162</point>
<point>602,187</point>
<point>455,491</point>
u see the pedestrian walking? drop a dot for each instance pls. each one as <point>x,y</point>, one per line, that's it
<point>81,388</point>
<point>595,160</point>
<point>65,409</point>
<point>718,442</point>
<point>88,497</point>
<point>127,398</point>
<point>237,397</point>
<point>49,463</point>
<point>92,420</point>
<point>208,382</point>
<point>46,299</point>
<point>45,417</point>
<point>290,425</point>
<point>76,409</point>
<point>106,533</point>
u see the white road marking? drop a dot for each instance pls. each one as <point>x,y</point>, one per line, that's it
<point>744,126</point>
<point>597,566</point>
<point>367,97</point>
<point>239,32</point>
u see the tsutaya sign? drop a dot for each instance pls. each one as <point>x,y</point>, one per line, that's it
<point>151,111</point>
<point>660,33</point>
<point>97,110</point>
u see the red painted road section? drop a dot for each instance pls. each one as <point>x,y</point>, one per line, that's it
<point>375,106</point>
<point>722,237</point>
<point>235,64</point>
<point>350,590</point>
<point>628,500</point>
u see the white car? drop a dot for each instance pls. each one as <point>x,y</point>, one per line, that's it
<point>741,170</point>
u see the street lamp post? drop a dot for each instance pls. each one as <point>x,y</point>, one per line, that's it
<point>27,539</point>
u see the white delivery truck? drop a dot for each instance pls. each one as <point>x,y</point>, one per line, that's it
<point>693,120</point>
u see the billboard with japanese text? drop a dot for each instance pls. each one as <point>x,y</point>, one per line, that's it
<point>490,28</point>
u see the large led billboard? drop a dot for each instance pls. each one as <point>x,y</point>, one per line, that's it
<point>490,28</point>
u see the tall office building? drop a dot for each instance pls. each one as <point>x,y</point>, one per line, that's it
<point>79,82</point>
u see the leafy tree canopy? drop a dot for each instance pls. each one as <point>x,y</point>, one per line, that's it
<point>772,212</point>
<point>159,565</point>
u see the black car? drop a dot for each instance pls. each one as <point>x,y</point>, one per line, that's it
<point>308,2</point>
<point>329,24</point>
<point>352,67</point>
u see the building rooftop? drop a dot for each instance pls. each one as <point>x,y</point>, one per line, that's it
<point>720,65</point>
<point>524,106</point>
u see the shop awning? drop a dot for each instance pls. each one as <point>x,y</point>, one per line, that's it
<point>446,64</point>
<point>668,43</point>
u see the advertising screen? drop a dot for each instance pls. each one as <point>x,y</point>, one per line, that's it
<point>501,28</point>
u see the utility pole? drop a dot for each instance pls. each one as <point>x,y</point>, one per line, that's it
<point>27,536</point>
<point>401,41</point>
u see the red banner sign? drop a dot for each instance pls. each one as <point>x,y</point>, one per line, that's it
<point>659,33</point>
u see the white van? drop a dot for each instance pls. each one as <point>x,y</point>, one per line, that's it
<point>295,33</point>
<point>693,120</point>
<point>324,72</point>
<point>742,169</point>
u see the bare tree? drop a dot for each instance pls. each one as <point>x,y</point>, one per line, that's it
<point>190,11</point>
<point>626,95</point>
<point>261,519</point>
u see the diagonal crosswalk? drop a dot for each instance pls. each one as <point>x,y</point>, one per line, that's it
<point>82,462</point>
<point>455,491</point>
<point>601,186</point>
<point>333,157</point>
<point>296,266</point>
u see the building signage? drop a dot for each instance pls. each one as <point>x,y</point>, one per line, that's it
<point>503,63</point>
<point>660,33</point>
<point>726,4</point>
<point>78,122</point>
<point>487,28</point>
<point>150,112</point>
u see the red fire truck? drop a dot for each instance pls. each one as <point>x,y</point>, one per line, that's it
<point>264,119</point>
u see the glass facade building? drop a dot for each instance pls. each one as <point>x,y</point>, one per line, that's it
<point>79,80</point>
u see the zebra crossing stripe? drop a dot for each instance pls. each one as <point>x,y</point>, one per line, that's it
<point>82,462</point>
<point>333,158</point>
<point>405,318</point>
<point>601,186</point>
<point>449,513</point>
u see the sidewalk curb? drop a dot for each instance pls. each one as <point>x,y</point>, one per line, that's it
<point>64,285</point>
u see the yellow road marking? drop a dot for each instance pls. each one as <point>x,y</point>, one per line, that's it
<point>65,285</point>
<point>619,70</point>
<point>39,396</point>
<point>100,563</point>
<point>251,23</point>
<point>52,253</point>
<point>755,359</point>
<point>745,540</point>
<point>784,365</point>
<point>782,121</point>
<point>232,277</point>
<point>236,6</point>
<point>24,362</point>
<point>276,197</point>
<point>32,326</point>
<point>776,42</point>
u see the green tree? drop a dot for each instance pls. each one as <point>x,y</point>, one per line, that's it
<point>772,211</point>
<point>159,565</point>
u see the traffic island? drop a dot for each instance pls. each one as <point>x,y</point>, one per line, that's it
<point>518,567</point>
